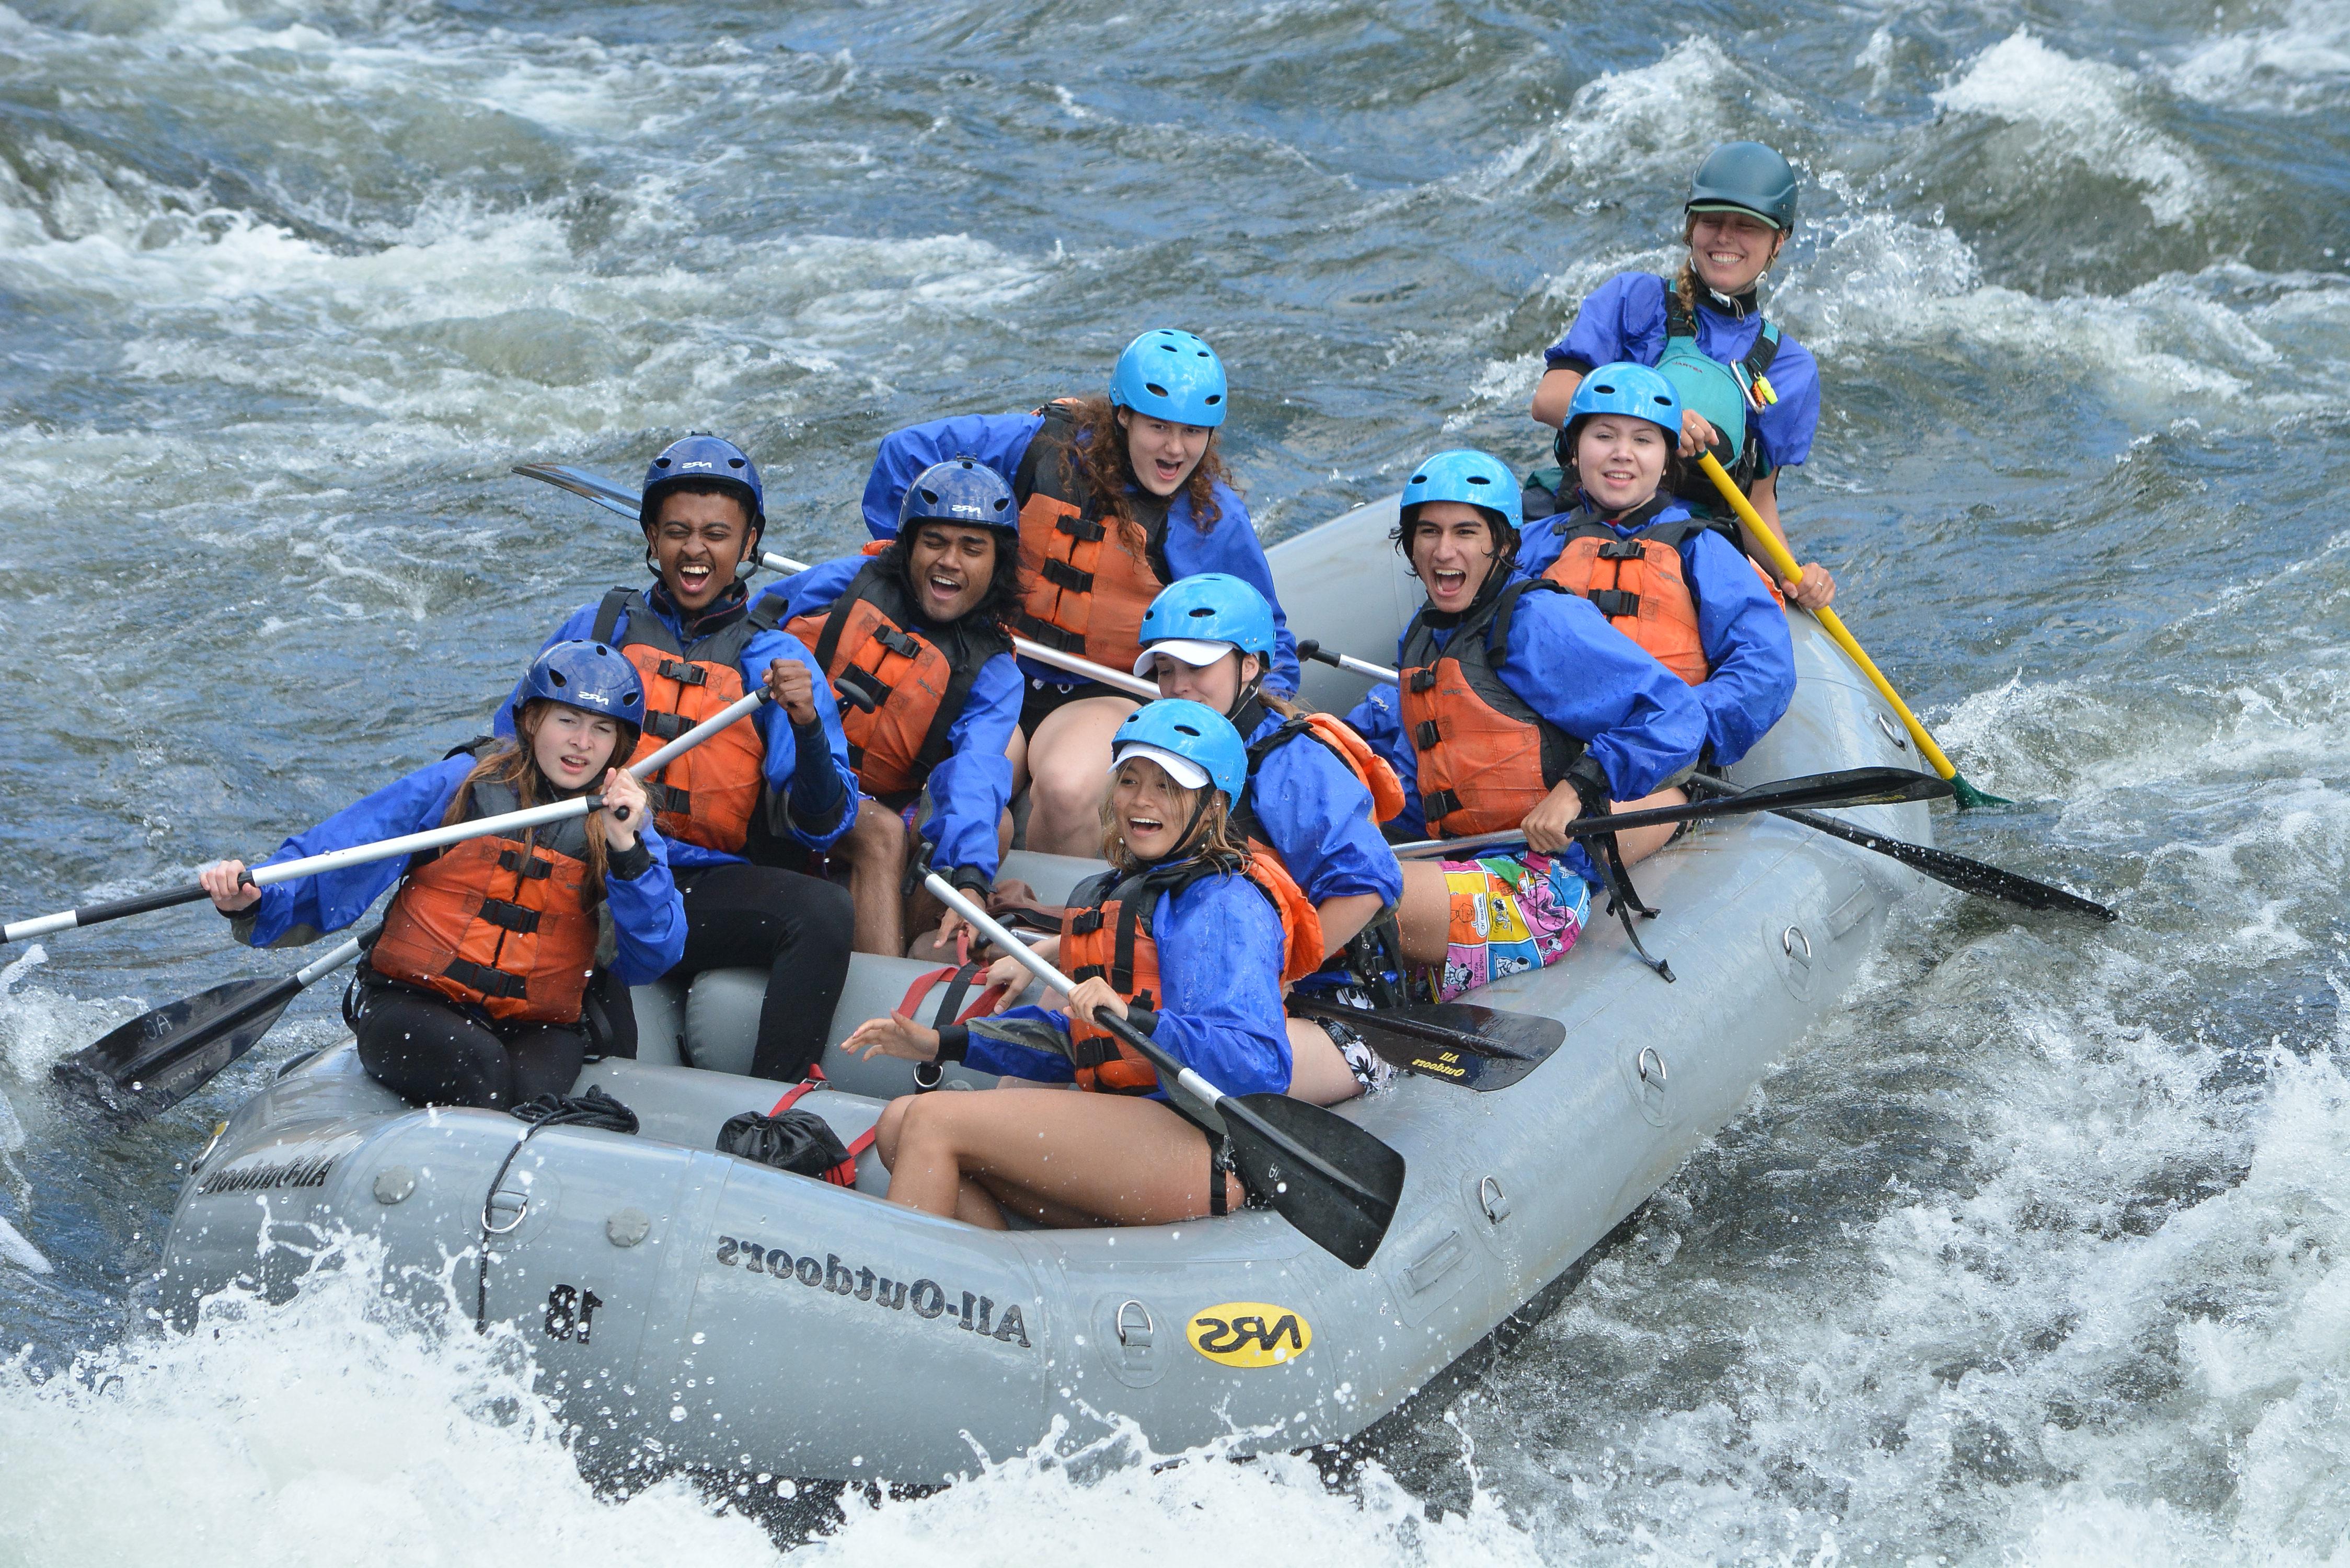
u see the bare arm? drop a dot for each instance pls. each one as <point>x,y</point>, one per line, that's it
<point>1553,394</point>
<point>1343,916</point>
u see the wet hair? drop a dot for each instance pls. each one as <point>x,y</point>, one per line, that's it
<point>1107,469</point>
<point>515,764</point>
<point>999,604</point>
<point>1212,838</point>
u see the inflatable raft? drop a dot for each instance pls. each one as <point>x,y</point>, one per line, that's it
<point>708,1311</point>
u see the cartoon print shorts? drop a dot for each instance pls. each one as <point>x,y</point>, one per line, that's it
<point>1510,913</point>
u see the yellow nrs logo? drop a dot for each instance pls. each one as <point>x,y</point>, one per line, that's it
<point>1250,1333</point>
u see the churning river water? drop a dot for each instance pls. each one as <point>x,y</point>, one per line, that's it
<point>2037,1251</point>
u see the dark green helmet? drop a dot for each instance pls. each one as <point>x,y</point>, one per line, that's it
<point>1745,177</point>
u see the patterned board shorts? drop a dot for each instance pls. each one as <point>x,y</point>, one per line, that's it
<point>1510,913</point>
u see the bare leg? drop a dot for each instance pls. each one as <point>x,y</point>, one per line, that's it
<point>1424,915</point>
<point>1317,1074</point>
<point>876,849</point>
<point>1125,1161</point>
<point>1018,750</point>
<point>1069,765</point>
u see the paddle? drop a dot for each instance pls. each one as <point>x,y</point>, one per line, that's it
<point>1474,1047</point>
<point>1336,1182</point>
<point>1853,786</point>
<point>384,850</point>
<point>613,497</point>
<point>162,1056</point>
<point>1784,565</point>
<point>1966,875</point>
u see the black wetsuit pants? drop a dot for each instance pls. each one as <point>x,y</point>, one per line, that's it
<point>435,1052</point>
<point>797,928</point>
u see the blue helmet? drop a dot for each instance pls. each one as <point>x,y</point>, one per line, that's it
<point>703,457</point>
<point>590,676</point>
<point>1207,608</point>
<point>1170,375</point>
<point>1745,177</point>
<point>1478,477</point>
<point>1625,387</point>
<point>1196,745</point>
<point>961,490</point>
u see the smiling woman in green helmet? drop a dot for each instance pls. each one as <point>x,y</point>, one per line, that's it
<point>1750,393</point>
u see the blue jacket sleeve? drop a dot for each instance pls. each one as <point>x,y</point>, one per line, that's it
<point>996,1045</point>
<point>1538,547</point>
<point>1377,719</point>
<point>304,910</point>
<point>996,440</point>
<point>581,622</point>
<point>1232,545</point>
<point>1640,721</point>
<point>1318,815</point>
<point>1783,432</point>
<point>822,795</point>
<point>1747,646</point>
<point>817,588</point>
<point>647,917</point>
<point>1622,318</point>
<point>1220,948</point>
<point>970,789</point>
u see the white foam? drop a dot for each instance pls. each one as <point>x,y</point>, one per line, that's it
<point>2087,112</point>
<point>2299,66</point>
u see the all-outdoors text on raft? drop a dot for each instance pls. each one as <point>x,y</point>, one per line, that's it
<point>924,1298</point>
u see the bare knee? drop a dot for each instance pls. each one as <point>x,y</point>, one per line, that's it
<point>877,837</point>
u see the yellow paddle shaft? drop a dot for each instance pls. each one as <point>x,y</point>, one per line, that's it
<point>1784,564</point>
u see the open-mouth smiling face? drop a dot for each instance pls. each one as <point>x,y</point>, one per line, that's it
<point>1730,250</point>
<point>698,542</point>
<point>1163,454</point>
<point>951,569</point>
<point>1150,809</point>
<point>1452,551</point>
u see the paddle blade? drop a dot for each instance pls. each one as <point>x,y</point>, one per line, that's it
<point>1337,1183</point>
<point>1970,798</point>
<point>582,482</point>
<point>160,1058</point>
<point>1476,1047</point>
<point>1852,786</point>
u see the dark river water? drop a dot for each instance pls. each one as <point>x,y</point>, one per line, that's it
<point>2038,1250</point>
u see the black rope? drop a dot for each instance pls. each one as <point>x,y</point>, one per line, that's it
<point>593,1109</point>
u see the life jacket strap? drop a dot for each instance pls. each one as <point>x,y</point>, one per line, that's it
<point>1090,529</point>
<point>668,726</point>
<point>865,680</point>
<point>512,917</point>
<point>487,980</point>
<point>1423,680</point>
<point>1615,603</point>
<point>1621,550</point>
<point>1057,638</point>
<point>1440,805</point>
<point>1062,575</point>
<point>668,799</point>
<point>684,674</point>
<point>522,863</point>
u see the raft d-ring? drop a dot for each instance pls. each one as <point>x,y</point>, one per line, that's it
<point>1790,936</point>
<point>1659,1076</point>
<point>1139,1338</point>
<point>1492,1201</point>
<point>521,1207</point>
<point>1893,731</point>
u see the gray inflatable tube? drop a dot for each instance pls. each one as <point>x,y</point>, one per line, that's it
<point>718,1312</point>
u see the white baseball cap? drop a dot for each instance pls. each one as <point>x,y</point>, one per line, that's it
<point>1182,770</point>
<point>1191,650</point>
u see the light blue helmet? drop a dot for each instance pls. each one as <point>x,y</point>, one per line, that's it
<point>1625,387</point>
<point>1207,607</point>
<point>1196,745</point>
<point>592,678</point>
<point>1170,375</point>
<point>1478,477</point>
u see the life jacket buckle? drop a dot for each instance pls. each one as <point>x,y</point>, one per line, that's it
<point>684,674</point>
<point>668,726</point>
<point>1425,734</point>
<point>1440,805</point>
<point>1085,925</point>
<point>1421,681</point>
<point>487,980</point>
<point>512,917</point>
<point>1090,529</point>
<point>1621,550</point>
<point>1062,575</point>
<point>1615,603</point>
<point>522,863</point>
<point>896,642</point>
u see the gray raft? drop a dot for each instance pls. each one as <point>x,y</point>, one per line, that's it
<point>712,1311</point>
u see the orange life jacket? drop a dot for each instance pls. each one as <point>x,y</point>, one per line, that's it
<point>507,925</point>
<point>1639,583</point>
<point>919,676</point>
<point>707,795</point>
<point>1088,588</point>
<point>1365,765</point>
<point>1486,758</point>
<point>1106,932</point>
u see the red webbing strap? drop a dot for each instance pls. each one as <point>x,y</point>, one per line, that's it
<point>845,1173</point>
<point>815,1080</point>
<point>986,1004</point>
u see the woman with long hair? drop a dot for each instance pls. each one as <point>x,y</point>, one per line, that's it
<point>1749,394</point>
<point>1185,937</point>
<point>496,951</point>
<point>1118,496</point>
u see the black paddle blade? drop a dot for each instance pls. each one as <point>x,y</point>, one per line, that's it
<point>1977,877</point>
<point>1334,1181</point>
<point>1477,1047</point>
<point>1852,786</point>
<point>160,1058</point>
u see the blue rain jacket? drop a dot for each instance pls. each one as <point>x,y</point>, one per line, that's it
<point>1624,318</point>
<point>815,795</point>
<point>1000,441</point>
<point>648,915</point>
<point>1316,814</point>
<point>1740,626</point>
<point>1220,948</point>
<point>970,789</point>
